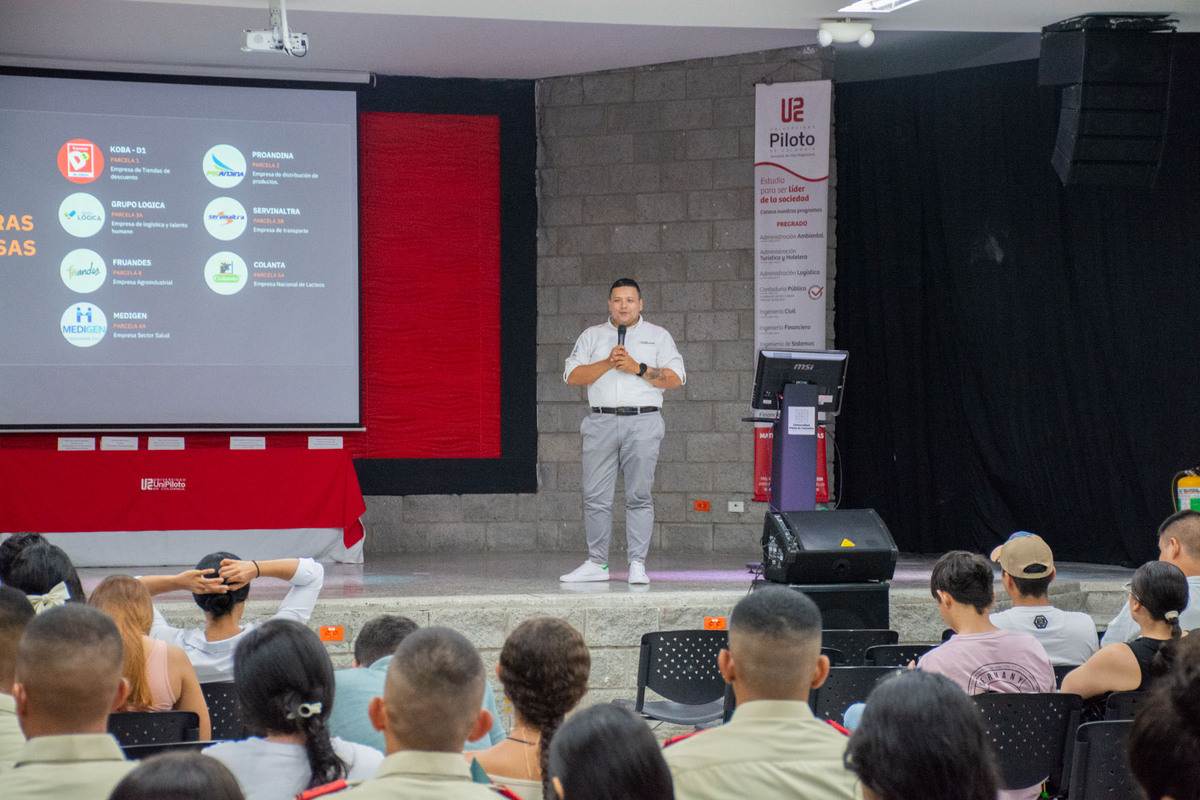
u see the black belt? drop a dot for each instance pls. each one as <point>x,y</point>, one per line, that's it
<point>625,411</point>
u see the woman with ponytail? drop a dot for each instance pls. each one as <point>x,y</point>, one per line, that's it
<point>544,667</point>
<point>160,676</point>
<point>1165,737</point>
<point>1158,594</point>
<point>285,687</point>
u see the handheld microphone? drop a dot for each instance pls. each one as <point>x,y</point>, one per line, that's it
<point>621,335</point>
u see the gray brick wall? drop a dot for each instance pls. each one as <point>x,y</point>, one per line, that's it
<point>644,173</point>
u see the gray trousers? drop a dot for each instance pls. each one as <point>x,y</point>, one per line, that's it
<point>630,444</point>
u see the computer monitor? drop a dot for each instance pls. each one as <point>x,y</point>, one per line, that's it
<point>777,368</point>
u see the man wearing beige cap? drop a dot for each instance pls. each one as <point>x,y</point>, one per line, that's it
<point>1027,566</point>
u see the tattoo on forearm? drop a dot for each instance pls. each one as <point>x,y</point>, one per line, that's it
<point>653,374</point>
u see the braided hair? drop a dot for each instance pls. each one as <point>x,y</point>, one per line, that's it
<point>544,667</point>
<point>284,681</point>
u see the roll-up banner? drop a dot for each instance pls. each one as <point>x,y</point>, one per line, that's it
<point>791,193</point>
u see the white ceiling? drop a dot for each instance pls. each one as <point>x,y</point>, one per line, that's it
<point>484,38</point>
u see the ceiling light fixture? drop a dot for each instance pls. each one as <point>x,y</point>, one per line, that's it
<point>843,31</point>
<point>875,6</point>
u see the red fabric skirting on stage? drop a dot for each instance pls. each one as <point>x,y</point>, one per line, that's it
<point>203,489</point>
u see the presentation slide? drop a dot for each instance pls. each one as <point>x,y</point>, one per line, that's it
<point>177,255</point>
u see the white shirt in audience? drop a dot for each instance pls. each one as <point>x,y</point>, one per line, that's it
<point>214,660</point>
<point>1069,637</point>
<point>1124,629</point>
<point>276,771</point>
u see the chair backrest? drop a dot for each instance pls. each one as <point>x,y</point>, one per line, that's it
<point>896,655</point>
<point>836,657</point>
<point>1061,671</point>
<point>854,642</point>
<point>681,666</point>
<point>1123,705</point>
<point>154,727</point>
<point>223,710</point>
<point>844,687</point>
<point>136,752</point>
<point>1029,734</point>
<point>1100,767</point>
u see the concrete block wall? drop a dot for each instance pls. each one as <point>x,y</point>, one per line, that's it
<point>644,173</point>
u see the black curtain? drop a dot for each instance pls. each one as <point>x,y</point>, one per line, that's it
<point>1022,355</point>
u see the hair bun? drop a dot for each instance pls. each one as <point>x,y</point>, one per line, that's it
<point>1171,616</point>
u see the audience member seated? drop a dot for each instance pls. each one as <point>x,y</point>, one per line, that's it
<point>1157,596</point>
<point>285,690</point>
<point>179,776</point>
<point>922,738</point>
<point>773,747</point>
<point>1178,544</point>
<point>220,584</point>
<point>373,649</point>
<point>980,657</point>
<point>68,680</point>
<point>15,613</point>
<point>430,706</point>
<point>1166,732</point>
<point>13,544</point>
<point>45,574</point>
<point>606,753</point>
<point>159,674</point>
<point>1069,637</point>
<point>544,667</point>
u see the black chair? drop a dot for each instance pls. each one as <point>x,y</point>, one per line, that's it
<point>1123,705</point>
<point>1100,764</point>
<point>896,655</point>
<point>136,752</point>
<point>1060,672</point>
<point>854,642</point>
<point>681,666</point>
<point>730,704</point>
<point>1030,734</point>
<point>223,710</point>
<point>844,687</point>
<point>154,727</point>
<point>836,657</point>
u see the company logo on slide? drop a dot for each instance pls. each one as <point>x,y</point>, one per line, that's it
<point>225,272</point>
<point>224,166</point>
<point>225,218</point>
<point>164,484</point>
<point>80,161</point>
<point>83,270</point>
<point>83,324</point>
<point>81,215</point>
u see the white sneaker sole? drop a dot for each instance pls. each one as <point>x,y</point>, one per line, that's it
<point>583,578</point>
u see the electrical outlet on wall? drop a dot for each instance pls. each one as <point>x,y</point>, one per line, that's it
<point>737,507</point>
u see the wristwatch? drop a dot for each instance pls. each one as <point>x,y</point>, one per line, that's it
<point>641,369</point>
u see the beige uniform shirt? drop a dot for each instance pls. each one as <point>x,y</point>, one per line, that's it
<point>770,749</point>
<point>84,766</point>
<point>417,775</point>
<point>11,738</point>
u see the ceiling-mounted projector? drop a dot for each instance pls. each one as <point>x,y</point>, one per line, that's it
<point>277,39</point>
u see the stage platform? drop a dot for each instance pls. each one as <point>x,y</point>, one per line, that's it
<point>484,596</point>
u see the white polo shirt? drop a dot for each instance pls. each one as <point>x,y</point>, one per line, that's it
<point>1068,636</point>
<point>647,343</point>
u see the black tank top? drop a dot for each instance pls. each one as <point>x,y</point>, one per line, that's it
<point>1144,650</point>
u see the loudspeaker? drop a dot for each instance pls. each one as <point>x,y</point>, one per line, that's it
<point>847,606</point>
<point>816,547</point>
<point>1113,109</point>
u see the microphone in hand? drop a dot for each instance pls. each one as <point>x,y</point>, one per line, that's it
<point>620,335</point>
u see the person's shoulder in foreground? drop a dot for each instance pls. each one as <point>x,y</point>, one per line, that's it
<point>774,746</point>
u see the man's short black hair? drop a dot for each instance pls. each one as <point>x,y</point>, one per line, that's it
<point>777,612</point>
<point>1185,526</point>
<point>1032,587</point>
<point>380,637</point>
<point>619,282</point>
<point>967,577</point>
<point>15,613</point>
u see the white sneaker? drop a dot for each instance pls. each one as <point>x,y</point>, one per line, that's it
<point>586,572</point>
<point>637,572</point>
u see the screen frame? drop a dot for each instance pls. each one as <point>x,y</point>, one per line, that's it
<point>197,80</point>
